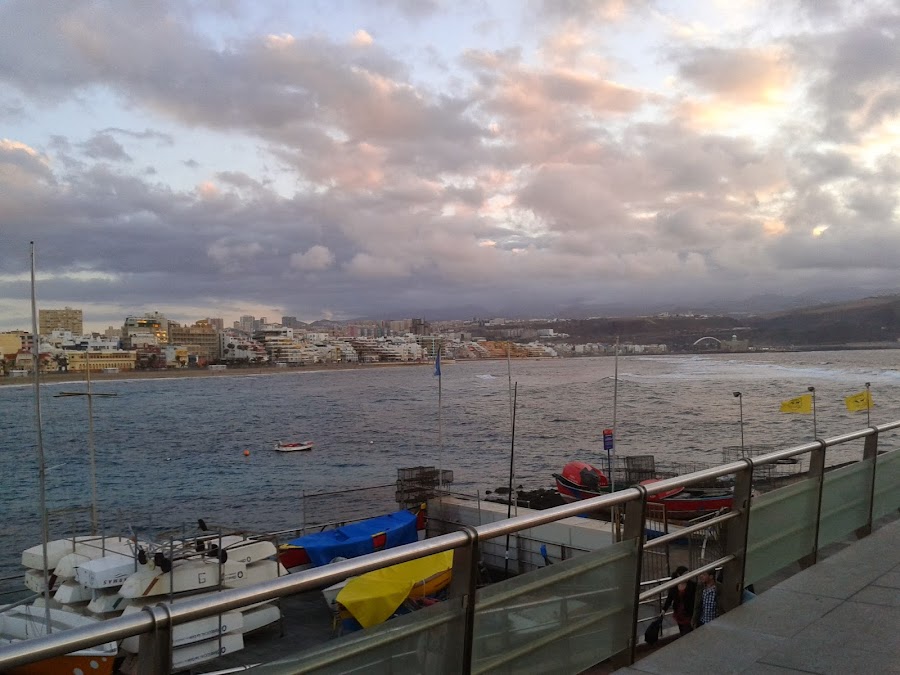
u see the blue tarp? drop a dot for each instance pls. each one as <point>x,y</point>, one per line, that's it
<point>355,539</point>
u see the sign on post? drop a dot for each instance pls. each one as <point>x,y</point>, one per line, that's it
<point>608,443</point>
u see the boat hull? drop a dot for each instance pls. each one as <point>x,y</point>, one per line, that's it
<point>680,504</point>
<point>572,492</point>
<point>294,447</point>
<point>69,663</point>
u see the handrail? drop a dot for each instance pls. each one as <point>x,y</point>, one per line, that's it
<point>690,529</point>
<point>189,609</point>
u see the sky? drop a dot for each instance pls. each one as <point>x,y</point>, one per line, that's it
<point>396,158</point>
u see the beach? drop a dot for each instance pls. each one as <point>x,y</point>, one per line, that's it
<point>203,372</point>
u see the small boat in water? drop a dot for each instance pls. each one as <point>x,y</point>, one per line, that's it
<point>293,447</point>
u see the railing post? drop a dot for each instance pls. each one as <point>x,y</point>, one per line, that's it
<point>155,647</point>
<point>870,454</point>
<point>816,472</point>
<point>736,538</point>
<point>635,526</point>
<point>464,584</point>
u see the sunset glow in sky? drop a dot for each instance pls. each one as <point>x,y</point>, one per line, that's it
<point>396,158</point>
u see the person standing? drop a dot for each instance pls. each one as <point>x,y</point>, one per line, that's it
<point>681,600</point>
<point>708,599</point>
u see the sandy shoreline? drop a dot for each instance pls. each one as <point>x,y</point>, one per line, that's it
<point>200,372</point>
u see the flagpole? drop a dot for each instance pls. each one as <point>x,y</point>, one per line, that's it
<point>868,404</point>
<point>813,391</point>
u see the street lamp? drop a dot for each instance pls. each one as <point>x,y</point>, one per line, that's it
<point>740,399</point>
<point>812,390</point>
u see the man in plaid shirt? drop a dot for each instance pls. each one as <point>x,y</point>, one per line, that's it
<point>708,602</point>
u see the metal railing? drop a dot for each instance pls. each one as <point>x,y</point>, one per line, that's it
<point>154,624</point>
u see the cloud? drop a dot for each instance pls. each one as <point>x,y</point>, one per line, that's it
<point>104,146</point>
<point>315,259</point>
<point>742,75</point>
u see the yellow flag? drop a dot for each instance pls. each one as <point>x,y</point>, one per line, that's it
<point>801,404</point>
<point>860,401</point>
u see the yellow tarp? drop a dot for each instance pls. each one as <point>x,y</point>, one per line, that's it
<point>373,597</point>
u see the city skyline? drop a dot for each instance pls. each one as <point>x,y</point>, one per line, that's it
<point>397,159</point>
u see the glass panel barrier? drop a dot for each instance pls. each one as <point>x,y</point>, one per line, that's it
<point>428,640</point>
<point>887,484</point>
<point>562,618</point>
<point>782,528</point>
<point>845,501</point>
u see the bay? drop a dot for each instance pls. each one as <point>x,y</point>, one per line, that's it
<point>170,451</point>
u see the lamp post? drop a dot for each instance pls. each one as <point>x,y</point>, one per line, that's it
<point>740,399</point>
<point>812,390</point>
<point>868,403</point>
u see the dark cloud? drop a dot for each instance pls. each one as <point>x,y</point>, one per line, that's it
<point>104,146</point>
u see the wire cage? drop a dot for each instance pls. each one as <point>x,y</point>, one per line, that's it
<point>419,483</point>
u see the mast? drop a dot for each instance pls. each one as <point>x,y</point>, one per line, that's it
<point>512,418</point>
<point>42,467</point>
<point>90,402</point>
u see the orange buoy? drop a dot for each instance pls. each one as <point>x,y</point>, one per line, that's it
<point>246,453</point>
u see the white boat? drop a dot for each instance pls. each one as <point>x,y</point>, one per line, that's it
<point>250,550</point>
<point>106,572</point>
<point>192,631</point>
<point>33,558</point>
<point>107,602</point>
<point>26,622</point>
<point>257,572</point>
<point>293,447</point>
<point>185,575</point>
<point>194,654</point>
<point>91,549</point>
<point>237,548</point>
<point>260,616</point>
<point>35,581</point>
<point>70,592</point>
<point>191,655</point>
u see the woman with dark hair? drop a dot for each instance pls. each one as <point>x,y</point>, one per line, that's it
<point>681,600</point>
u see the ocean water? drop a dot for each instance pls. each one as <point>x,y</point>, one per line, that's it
<point>170,451</point>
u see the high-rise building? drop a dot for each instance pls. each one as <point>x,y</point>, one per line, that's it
<point>218,324</point>
<point>203,337</point>
<point>247,323</point>
<point>68,319</point>
<point>155,324</point>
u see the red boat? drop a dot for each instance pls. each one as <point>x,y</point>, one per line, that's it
<point>686,503</point>
<point>580,480</point>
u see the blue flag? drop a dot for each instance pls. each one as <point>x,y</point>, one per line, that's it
<point>437,364</point>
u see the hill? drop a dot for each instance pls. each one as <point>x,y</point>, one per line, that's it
<point>868,322</point>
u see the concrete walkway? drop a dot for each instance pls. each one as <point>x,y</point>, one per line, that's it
<point>841,615</point>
